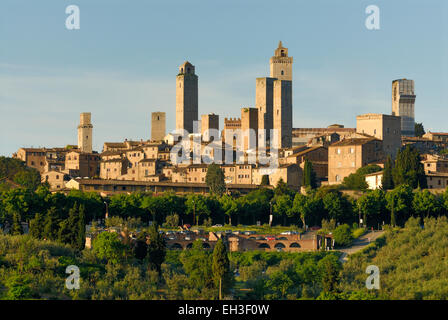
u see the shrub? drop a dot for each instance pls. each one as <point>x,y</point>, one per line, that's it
<point>343,235</point>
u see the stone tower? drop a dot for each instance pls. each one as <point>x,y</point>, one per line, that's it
<point>281,64</point>
<point>208,122</point>
<point>264,99</point>
<point>273,98</point>
<point>249,124</point>
<point>158,126</point>
<point>403,104</point>
<point>282,118</point>
<point>186,97</point>
<point>85,129</point>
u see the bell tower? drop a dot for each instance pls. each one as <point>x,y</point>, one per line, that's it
<point>281,64</point>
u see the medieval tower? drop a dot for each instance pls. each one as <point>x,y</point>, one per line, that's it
<point>403,104</point>
<point>273,98</point>
<point>158,126</point>
<point>186,97</point>
<point>85,129</point>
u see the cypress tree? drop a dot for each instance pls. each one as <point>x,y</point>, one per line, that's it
<point>51,224</point>
<point>16,228</point>
<point>37,226</point>
<point>309,176</point>
<point>387,181</point>
<point>221,268</point>
<point>81,229</point>
<point>156,247</point>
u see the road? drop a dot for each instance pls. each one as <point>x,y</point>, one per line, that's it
<point>359,244</point>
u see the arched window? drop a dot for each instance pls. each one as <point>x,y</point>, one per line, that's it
<point>282,73</point>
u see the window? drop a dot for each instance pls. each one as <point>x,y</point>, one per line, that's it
<point>352,150</point>
<point>353,164</point>
<point>338,178</point>
<point>338,151</point>
<point>282,73</point>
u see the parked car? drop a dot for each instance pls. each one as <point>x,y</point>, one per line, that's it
<point>270,238</point>
<point>187,238</point>
<point>286,233</point>
<point>218,226</point>
<point>260,238</point>
<point>228,231</point>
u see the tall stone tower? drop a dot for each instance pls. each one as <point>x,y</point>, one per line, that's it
<point>186,97</point>
<point>282,118</point>
<point>85,129</point>
<point>403,105</point>
<point>281,64</point>
<point>158,126</point>
<point>273,98</point>
<point>264,100</point>
<point>249,124</point>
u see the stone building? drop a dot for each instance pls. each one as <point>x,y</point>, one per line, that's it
<point>347,156</point>
<point>403,104</point>
<point>81,164</point>
<point>384,127</point>
<point>158,126</point>
<point>85,129</point>
<point>186,97</point>
<point>435,164</point>
<point>318,156</point>
<point>55,179</point>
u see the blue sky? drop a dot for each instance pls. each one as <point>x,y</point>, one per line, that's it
<point>121,65</point>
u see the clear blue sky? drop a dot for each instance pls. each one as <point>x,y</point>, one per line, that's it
<point>121,65</point>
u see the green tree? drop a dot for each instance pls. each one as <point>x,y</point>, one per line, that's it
<point>425,203</point>
<point>141,247</point>
<point>309,176</point>
<point>215,179</point>
<point>282,206</point>
<point>37,226</point>
<point>221,268</point>
<point>399,203</point>
<point>51,224</point>
<point>196,206</point>
<point>342,235</point>
<point>16,228</point>
<point>408,169</point>
<point>387,180</point>
<point>197,264</point>
<point>108,246</point>
<point>329,269</point>
<point>265,180</point>
<point>81,229</point>
<point>156,247</point>
<point>357,180</point>
<point>419,130</point>
<point>371,206</point>
<point>172,221</point>
<point>229,206</point>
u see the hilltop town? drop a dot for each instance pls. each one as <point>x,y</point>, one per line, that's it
<point>335,152</point>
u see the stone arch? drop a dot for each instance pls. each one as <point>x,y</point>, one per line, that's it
<point>206,245</point>
<point>189,246</point>
<point>176,246</point>
<point>282,238</point>
<point>279,245</point>
<point>294,245</point>
<point>264,246</point>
